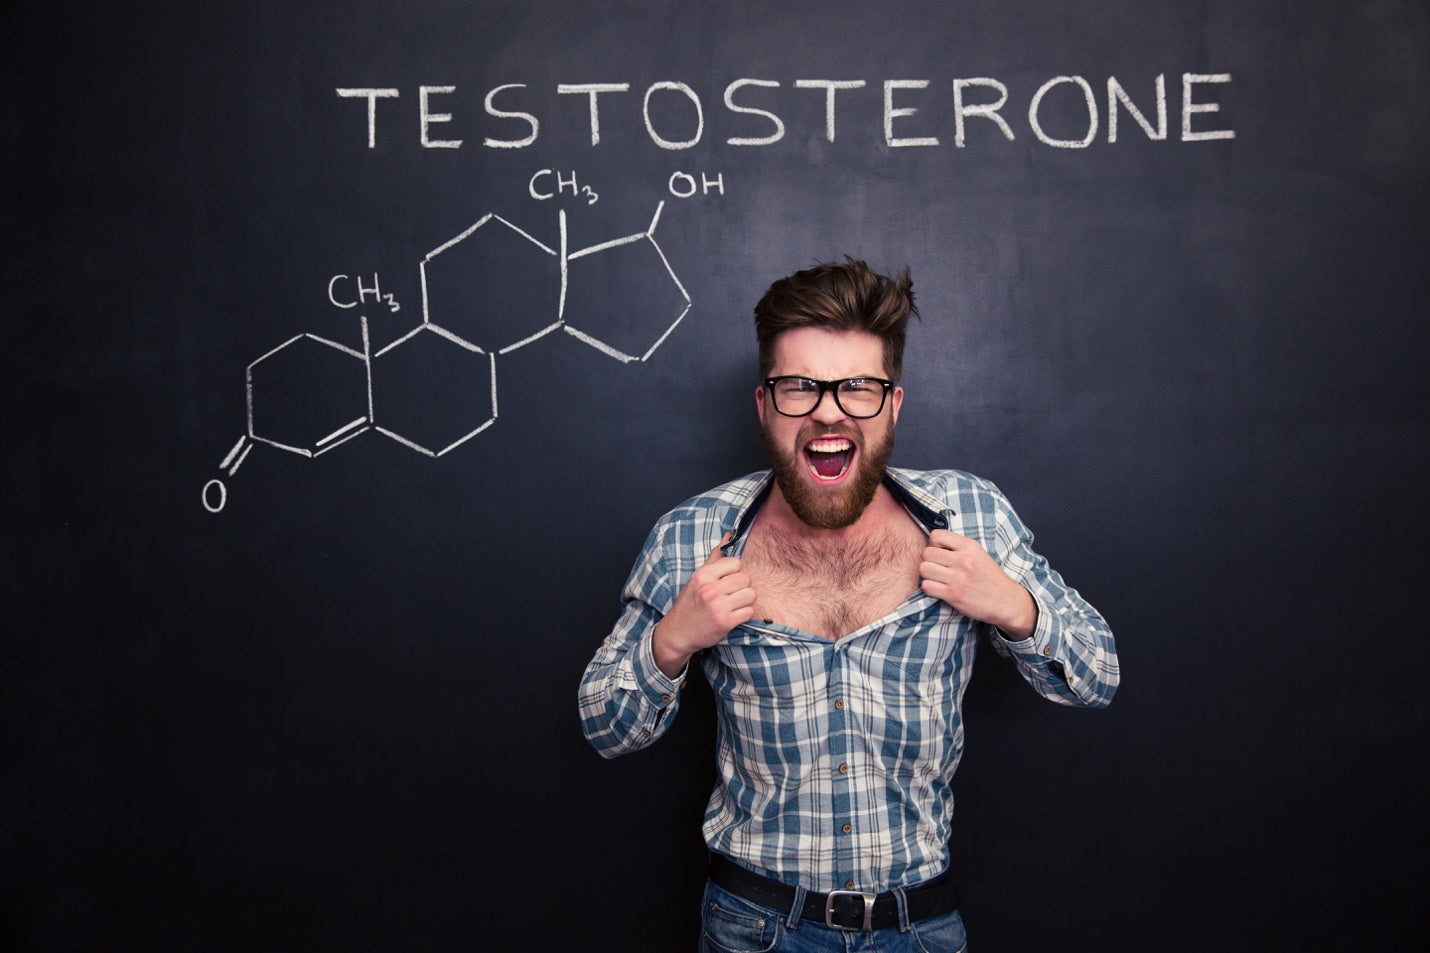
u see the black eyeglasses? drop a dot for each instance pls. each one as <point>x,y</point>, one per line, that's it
<point>858,397</point>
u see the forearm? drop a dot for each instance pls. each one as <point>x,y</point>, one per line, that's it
<point>626,701</point>
<point>671,655</point>
<point>1020,620</point>
<point>1070,656</point>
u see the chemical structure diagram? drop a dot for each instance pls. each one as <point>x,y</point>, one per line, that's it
<point>486,292</point>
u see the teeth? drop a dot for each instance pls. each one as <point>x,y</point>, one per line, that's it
<point>830,445</point>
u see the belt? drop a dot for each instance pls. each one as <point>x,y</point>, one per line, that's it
<point>840,909</point>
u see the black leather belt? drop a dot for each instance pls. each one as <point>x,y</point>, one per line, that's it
<point>841,909</point>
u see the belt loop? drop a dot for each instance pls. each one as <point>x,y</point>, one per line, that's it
<point>796,908</point>
<point>902,900</point>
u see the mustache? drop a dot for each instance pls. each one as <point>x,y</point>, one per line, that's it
<point>813,431</point>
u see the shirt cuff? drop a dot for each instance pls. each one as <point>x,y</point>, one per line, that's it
<point>658,688</point>
<point>1043,643</point>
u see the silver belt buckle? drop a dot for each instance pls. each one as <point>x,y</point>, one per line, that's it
<point>868,909</point>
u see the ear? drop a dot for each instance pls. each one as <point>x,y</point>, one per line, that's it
<point>898,398</point>
<point>760,402</point>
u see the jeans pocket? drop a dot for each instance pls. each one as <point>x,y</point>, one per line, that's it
<point>730,924</point>
<point>940,934</point>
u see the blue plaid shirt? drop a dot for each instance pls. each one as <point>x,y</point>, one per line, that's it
<point>835,759</point>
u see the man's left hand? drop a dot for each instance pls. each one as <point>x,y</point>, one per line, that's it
<point>959,571</point>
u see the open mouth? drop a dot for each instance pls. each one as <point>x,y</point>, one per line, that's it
<point>828,457</point>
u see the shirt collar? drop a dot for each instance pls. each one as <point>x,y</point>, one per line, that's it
<point>931,511</point>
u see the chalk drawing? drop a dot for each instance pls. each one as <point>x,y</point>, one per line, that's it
<point>435,388</point>
<point>969,101</point>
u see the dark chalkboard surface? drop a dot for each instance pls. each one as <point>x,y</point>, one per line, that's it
<point>353,347</point>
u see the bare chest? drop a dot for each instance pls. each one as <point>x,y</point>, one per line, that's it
<point>833,590</point>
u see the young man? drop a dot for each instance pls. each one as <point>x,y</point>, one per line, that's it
<point>834,606</point>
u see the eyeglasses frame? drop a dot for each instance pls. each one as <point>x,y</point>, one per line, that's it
<point>832,387</point>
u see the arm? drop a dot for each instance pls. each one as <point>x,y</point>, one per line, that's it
<point>630,691</point>
<point>626,701</point>
<point>1061,645</point>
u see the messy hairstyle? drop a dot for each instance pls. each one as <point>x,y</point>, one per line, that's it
<point>838,296</point>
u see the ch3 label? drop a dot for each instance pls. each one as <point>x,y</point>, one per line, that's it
<point>349,292</point>
<point>540,185</point>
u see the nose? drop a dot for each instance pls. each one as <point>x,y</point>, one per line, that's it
<point>827,410</point>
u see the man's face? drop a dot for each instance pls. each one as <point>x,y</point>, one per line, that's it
<point>828,465</point>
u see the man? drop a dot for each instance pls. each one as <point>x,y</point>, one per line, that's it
<point>835,605</point>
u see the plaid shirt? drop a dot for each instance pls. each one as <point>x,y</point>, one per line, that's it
<point>835,759</point>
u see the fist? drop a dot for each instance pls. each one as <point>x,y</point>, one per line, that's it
<point>717,598</point>
<point>959,571</point>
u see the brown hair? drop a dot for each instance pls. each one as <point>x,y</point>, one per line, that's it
<point>846,296</point>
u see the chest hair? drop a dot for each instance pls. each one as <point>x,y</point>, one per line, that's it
<point>832,590</point>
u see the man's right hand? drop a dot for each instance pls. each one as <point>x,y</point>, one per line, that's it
<point>717,598</point>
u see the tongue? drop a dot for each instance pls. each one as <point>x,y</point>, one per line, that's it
<point>828,465</point>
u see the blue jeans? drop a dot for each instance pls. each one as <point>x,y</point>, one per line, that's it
<point>732,924</point>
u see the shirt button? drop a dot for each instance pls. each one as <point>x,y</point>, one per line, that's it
<point>839,703</point>
<point>847,828</point>
<point>1048,650</point>
<point>665,697</point>
<point>844,769</point>
<point>848,885</point>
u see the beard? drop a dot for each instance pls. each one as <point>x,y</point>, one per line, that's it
<point>821,507</point>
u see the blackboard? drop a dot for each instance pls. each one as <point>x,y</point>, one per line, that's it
<point>353,348</point>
